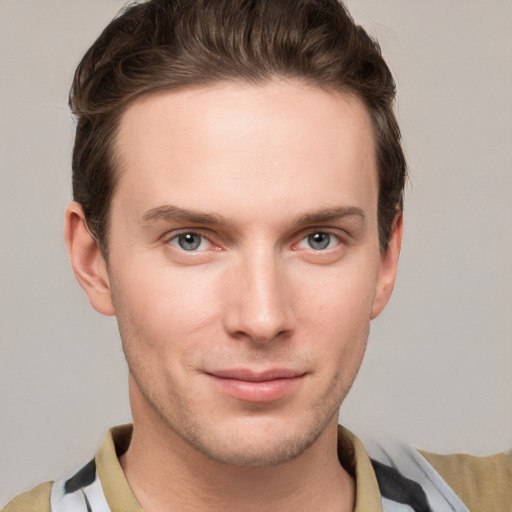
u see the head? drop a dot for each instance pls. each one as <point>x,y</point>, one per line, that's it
<point>238,181</point>
<point>164,45</point>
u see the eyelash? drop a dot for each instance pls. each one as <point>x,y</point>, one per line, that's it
<point>332,237</point>
<point>307,237</point>
<point>176,237</point>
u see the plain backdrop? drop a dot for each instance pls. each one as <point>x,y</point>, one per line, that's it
<point>438,370</point>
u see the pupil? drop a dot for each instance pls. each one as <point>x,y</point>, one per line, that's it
<point>319,240</point>
<point>189,241</point>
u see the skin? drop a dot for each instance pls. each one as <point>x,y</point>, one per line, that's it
<point>277,186</point>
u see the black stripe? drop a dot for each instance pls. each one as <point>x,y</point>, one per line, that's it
<point>87,504</point>
<point>83,478</point>
<point>397,487</point>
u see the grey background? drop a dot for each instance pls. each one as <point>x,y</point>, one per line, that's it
<point>438,367</point>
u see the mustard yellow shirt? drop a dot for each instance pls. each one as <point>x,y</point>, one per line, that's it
<point>482,483</point>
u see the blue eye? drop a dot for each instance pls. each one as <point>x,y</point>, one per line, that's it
<point>319,241</point>
<point>188,241</point>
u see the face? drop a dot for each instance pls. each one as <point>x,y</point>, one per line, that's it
<point>244,263</point>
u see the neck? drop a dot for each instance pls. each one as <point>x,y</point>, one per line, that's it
<point>167,474</point>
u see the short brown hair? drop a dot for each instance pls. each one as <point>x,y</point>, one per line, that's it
<point>166,44</point>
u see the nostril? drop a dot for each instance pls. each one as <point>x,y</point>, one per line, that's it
<point>260,329</point>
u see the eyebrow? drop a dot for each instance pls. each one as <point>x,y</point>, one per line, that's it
<point>329,215</point>
<point>170,213</point>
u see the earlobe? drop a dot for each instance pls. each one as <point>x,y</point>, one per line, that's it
<point>87,261</point>
<point>388,267</point>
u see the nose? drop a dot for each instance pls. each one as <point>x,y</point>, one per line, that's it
<point>259,305</point>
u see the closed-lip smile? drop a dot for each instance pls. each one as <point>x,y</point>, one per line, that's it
<point>257,386</point>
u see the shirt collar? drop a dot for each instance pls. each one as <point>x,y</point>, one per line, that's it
<point>119,496</point>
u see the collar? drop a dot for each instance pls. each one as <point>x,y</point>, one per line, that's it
<point>119,496</point>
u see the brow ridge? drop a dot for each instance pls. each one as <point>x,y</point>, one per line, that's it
<point>329,215</point>
<point>171,213</point>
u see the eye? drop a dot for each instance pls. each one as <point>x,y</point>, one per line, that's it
<point>319,241</point>
<point>190,241</point>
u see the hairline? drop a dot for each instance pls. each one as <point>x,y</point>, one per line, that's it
<point>117,166</point>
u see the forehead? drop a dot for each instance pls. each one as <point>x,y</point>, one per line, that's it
<point>282,141</point>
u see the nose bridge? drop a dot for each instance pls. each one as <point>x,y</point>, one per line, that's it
<point>262,308</point>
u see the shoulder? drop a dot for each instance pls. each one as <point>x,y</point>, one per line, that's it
<point>482,483</point>
<point>36,500</point>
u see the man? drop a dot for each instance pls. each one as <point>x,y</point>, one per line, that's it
<point>238,183</point>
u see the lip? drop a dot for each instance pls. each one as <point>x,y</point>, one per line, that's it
<point>253,386</point>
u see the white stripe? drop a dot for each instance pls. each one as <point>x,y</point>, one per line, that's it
<point>393,506</point>
<point>410,463</point>
<point>75,501</point>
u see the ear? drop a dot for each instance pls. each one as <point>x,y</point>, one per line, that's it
<point>87,261</point>
<point>388,267</point>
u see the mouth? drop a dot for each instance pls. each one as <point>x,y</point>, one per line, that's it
<point>251,386</point>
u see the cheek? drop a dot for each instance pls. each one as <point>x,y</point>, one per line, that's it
<point>162,306</point>
<point>337,312</point>
<point>340,297</point>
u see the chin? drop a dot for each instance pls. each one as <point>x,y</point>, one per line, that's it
<point>244,454</point>
<point>257,442</point>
